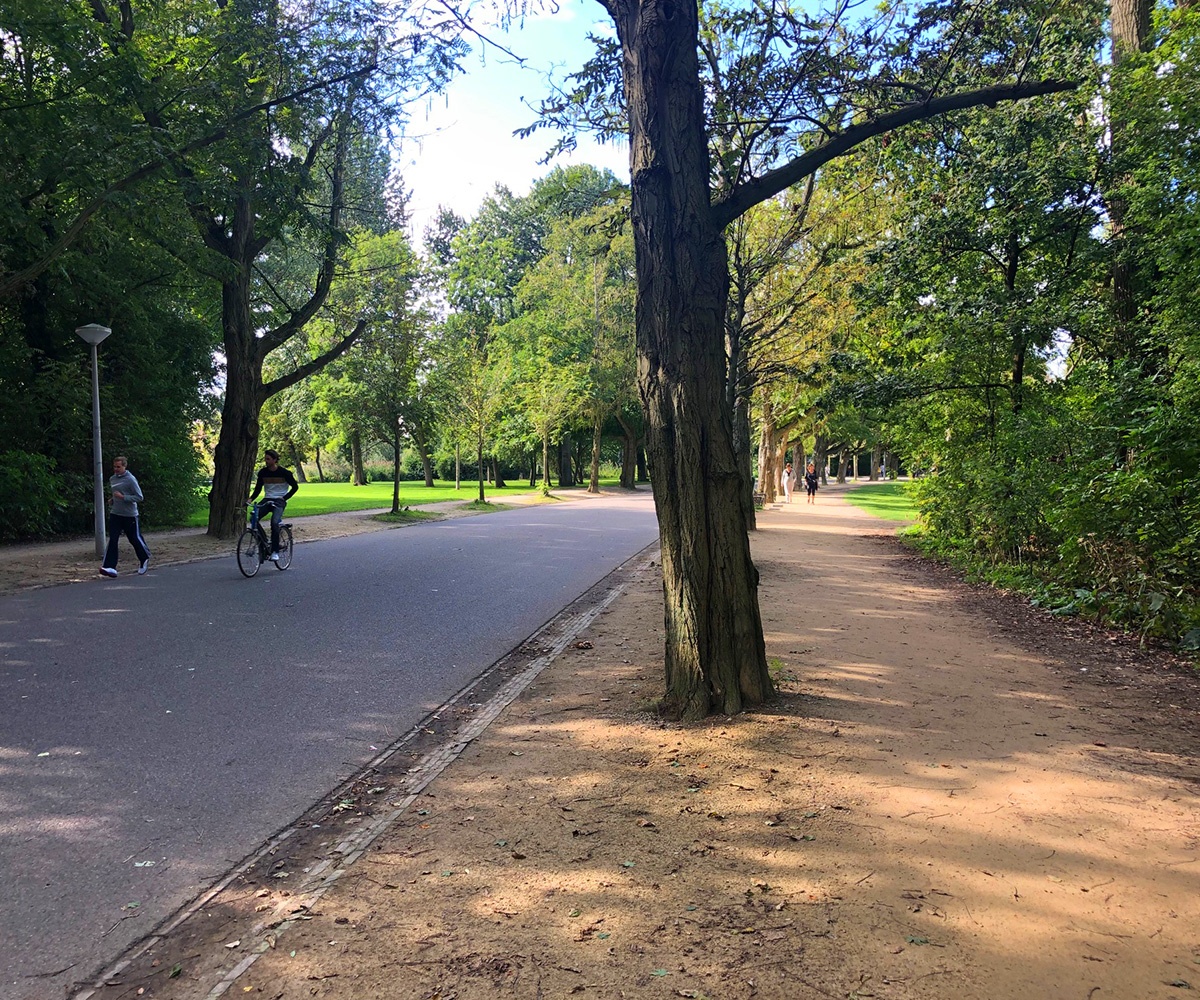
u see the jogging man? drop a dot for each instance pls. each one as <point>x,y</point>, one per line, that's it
<point>278,486</point>
<point>123,517</point>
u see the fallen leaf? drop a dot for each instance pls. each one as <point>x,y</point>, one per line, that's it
<point>234,944</point>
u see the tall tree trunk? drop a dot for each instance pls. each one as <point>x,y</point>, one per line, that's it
<point>597,427</point>
<point>715,656</point>
<point>1130,34</point>
<point>741,448</point>
<point>237,446</point>
<point>876,459</point>
<point>736,378</point>
<point>457,467</point>
<point>421,440</point>
<point>768,474</point>
<point>821,457</point>
<point>359,474</point>
<point>643,469</point>
<point>566,468</point>
<point>545,461</point>
<point>498,473</point>
<point>297,461</point>
<point>320,471</point>
<point>479,462</point>
<point>842,457</point>
<point>629,452</point>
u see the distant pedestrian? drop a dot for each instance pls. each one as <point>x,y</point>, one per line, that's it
<point>123,517</point>
<point>811,481</point>
<point>785,480</point>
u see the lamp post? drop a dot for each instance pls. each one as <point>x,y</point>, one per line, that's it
<point>93,333</point>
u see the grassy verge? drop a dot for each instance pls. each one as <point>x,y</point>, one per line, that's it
<point>406,516</point>
<point>889,501</point>
<point>330,498</point>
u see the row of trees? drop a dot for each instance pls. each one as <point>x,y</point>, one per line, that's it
<point>1016,312</point>
<point>829,247</point>
<point>512,336</point>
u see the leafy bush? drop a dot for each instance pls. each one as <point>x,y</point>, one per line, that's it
<point>31,495</point>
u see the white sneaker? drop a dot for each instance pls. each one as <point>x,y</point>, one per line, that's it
<point>144,566</point>
<point>274,557</point>
<point>108,572</point>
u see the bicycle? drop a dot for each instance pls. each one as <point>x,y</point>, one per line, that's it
<point>254,547</point>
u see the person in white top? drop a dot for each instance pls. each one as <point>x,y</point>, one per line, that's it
<point>785,480</point>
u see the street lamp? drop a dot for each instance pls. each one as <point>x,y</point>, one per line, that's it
<point>93,333</point>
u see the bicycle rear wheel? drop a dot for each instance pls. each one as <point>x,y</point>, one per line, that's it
<point>248,555</point>
<point>285,547</point>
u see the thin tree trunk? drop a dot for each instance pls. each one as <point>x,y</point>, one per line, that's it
<point>629,452</point>
<point>597,427</point>
<point>498,473</point>
<point>421,440</point>
<point>356,460</point>
<point>479,462</point>
<point>297,461</point>
<point>566,470</point>
<point>457,467</point>
<point>545,461</point>
<point>320,471</point>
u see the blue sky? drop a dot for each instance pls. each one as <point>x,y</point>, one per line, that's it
<point>461,144</point>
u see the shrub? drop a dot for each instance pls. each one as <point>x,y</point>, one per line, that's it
<point>31,495</point>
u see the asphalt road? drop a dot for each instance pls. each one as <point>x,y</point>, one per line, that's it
<point>155,730</point>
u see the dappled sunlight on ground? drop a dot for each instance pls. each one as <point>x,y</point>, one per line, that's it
<point>932,810</point>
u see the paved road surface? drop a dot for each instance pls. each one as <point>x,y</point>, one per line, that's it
<point>154,730</point>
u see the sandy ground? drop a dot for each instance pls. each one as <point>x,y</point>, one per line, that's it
<point>954,797</point>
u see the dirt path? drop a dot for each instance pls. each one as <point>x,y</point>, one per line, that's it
<point>954,798</point>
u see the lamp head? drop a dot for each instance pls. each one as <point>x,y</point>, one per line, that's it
<point>93,333</point>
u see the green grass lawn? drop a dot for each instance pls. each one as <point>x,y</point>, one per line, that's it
<point>887,500</point>
<point>329,498</point>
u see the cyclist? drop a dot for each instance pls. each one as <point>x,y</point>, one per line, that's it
<point>278,486</point>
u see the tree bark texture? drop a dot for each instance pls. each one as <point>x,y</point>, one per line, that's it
<point>237,446</point>
<point>597,430</point>
<point>629,452</point>
<point>356,459</point>
<point>566,468</point>
<point>715,658</point>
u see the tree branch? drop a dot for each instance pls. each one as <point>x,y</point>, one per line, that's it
<point>750,194</point>
<point>11,283</point>
<point>269,389</point>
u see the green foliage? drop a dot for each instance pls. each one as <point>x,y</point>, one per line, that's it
<point>31,494</point>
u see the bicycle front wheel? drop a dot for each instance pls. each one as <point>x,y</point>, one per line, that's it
<point>285,548</point>
<point>248,555</point>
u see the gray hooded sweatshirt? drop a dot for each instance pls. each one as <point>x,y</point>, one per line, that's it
<point>126,484</point>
